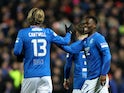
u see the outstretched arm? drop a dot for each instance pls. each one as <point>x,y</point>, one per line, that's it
<point>62,40</point>
<point>75,47</point>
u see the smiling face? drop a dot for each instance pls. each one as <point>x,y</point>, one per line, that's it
<point>89,25</point>
<point>85,25</point>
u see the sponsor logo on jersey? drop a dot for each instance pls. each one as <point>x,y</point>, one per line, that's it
<point>38,61</point>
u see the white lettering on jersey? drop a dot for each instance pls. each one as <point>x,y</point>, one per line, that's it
<point>103,45</point>
<point>36,29</point>
<point>38,61</point>
<point>36,34</point>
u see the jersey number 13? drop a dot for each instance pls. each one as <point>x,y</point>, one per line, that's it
<point>42,47</point>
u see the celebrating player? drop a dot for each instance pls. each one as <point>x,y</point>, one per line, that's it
<point>80,71</point>
<point>35,42</point>
<point>97,56</point>
<point>80,66</point>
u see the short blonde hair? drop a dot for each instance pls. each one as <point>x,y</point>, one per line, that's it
<point>35,16</point>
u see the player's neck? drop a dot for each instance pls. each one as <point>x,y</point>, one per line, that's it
<point>91,33</point>
<point>38,25</point>
<point>82,37</point>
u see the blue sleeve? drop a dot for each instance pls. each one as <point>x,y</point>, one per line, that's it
<point>68,65</point>
<point>60,40</point>
<point>18,44</point>
<point>105,53</point>
<point>75,47</point>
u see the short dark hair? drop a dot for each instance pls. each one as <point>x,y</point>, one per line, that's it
<point>94,18</point>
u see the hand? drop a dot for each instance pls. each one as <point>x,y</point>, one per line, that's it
<point>69,29</point>
<point>103,80</point>
<point>66,84</point>
<point>20,57</point>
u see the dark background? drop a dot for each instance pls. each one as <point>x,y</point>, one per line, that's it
<point>110,14</point>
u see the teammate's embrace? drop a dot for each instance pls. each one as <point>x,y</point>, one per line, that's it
<point>97,56</point>
<point>35,42</point>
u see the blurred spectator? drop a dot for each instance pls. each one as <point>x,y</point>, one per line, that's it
<point>116,82</point>
<point>17,76</point>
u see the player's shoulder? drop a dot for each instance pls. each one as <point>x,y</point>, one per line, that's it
<point>98,36</point>
<point>24,30</point>
<point>49,30</point>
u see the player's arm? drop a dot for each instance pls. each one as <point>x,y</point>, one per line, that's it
<point>75,47</point>
<point>62,40</point>
<point>18,44</point>
<point>106,56</point>
<point>67,69</point>
<point>68,65</point>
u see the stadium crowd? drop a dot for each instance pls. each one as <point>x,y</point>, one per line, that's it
<point>110,14</point>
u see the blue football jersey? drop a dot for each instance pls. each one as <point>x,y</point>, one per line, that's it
<point>80,69</point>
<point>97,54</point>
<point>35,42</point>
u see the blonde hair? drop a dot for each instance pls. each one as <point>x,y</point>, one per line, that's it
<point>35,16</point>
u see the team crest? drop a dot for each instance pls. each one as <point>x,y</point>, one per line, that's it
<point>87,49</point>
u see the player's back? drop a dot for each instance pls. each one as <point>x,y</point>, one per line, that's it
<point>37,51</point>
<point>35,42</point>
